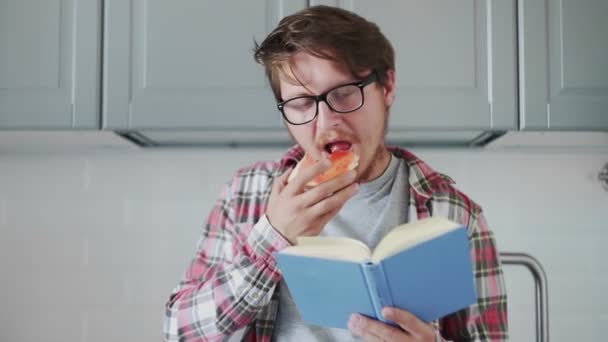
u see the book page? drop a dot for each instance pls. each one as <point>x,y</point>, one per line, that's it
<point>337,248</point>
<point>411,234</point>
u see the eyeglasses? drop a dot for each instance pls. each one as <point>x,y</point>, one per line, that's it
<point>341,99</point>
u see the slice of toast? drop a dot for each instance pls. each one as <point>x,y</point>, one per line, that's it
<point>341,162</point>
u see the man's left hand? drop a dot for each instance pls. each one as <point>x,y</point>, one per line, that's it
<point>412,329</point>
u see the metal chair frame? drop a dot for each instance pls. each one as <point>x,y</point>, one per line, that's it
<point>541,295</point>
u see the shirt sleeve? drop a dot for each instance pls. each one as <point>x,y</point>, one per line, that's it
<point>485,320</point>
<point>230,280</point>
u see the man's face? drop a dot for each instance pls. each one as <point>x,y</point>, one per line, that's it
<point>362,131</point>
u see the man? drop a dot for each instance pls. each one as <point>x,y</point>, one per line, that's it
<point>333,76</point>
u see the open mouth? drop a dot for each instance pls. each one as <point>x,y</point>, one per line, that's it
<point>338,145</point>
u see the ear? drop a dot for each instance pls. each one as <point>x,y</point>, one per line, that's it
<point>389,88</point>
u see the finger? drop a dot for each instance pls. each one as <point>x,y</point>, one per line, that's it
<point>335,201</point>
<point>327,189</point>
<point>298,183</point>
<point>318,154</point>
<point>320,214</point>
<point>323,212</point>
<point>319,223</point>
<point>369,337</point>
<point>407,321</point>
<point>372,330</point>
<point>357,327</point>
<point>328,216</point>
<point>322,221</point>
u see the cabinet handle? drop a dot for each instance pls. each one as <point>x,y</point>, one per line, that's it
<point>603,176</point>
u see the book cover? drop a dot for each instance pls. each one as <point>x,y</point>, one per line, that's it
<point>422,267</point>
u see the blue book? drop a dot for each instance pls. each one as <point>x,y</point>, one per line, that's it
<point>423,267</point>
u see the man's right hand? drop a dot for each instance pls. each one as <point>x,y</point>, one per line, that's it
<point>294,211</point>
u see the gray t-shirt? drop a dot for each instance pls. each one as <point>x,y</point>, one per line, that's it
<point>378,206</point>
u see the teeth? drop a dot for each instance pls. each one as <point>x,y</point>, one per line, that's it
<point>338,146</point>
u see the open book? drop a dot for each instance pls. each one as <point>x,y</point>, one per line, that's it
<point>423,267</point>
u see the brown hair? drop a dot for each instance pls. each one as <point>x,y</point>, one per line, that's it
<point>329,33</point>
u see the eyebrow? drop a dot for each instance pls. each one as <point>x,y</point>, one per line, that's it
<point>298,94</point>
<point>301,94</point>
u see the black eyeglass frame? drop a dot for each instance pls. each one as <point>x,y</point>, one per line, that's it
<point>371,78</point>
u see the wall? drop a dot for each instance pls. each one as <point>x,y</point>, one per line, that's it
<point>92,242</point>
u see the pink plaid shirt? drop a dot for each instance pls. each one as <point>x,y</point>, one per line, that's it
<point>232,283</point>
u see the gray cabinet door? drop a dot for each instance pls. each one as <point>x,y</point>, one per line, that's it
<point>455,61</point>
<point>49,64</point>
<point>188,64</point>
<point>564,64</point>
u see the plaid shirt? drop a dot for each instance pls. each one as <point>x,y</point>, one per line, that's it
<point>232,282</point>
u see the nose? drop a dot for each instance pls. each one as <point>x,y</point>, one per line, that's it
<point>327,118</point>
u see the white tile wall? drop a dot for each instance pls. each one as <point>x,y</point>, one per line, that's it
<point>91,243</point>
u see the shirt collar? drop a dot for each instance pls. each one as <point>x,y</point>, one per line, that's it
<point>292,157</point>
<point>423,180</point>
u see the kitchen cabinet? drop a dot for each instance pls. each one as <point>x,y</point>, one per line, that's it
<point>188,64</point>
<point>455,60</point>
<point>185,69</point>
<point>49,64</point>
<point>563,51</point>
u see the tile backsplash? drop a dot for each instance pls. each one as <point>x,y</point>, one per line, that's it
<point>91,243</point>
